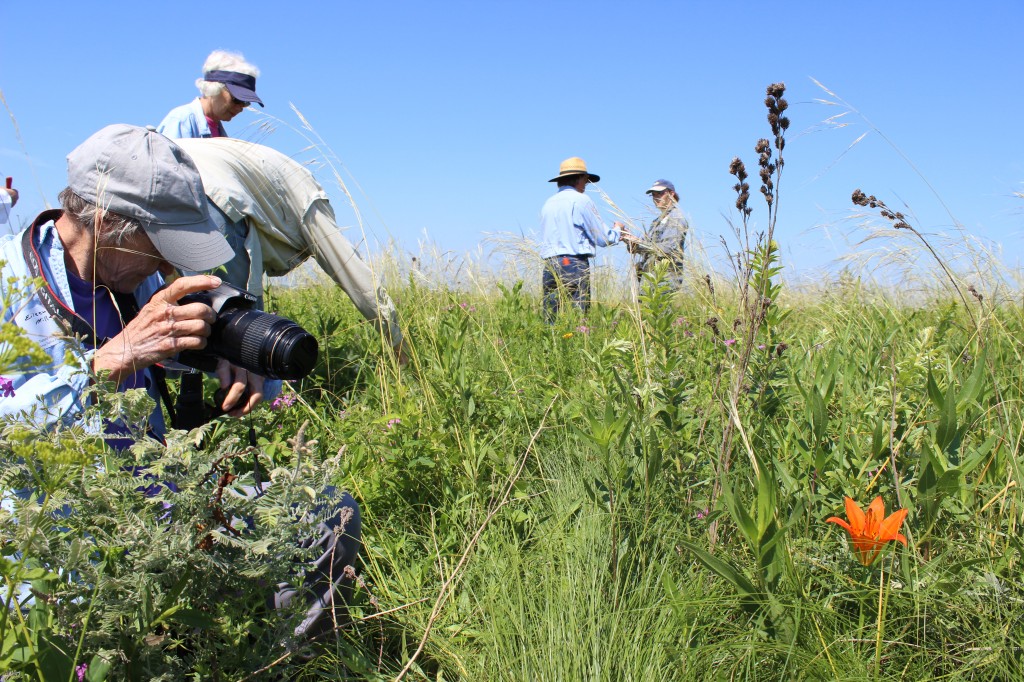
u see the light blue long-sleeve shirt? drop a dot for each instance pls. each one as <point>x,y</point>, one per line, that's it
<point>571,226</point>
<point>53,393</point>
<point>188,120</point>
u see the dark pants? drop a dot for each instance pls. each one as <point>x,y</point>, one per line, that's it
<point>326,584</point>
<point>567,276</point>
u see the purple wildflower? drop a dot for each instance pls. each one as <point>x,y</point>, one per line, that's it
<point>283,401</point>
<point>80,671</point>
<point>583,329</point>
<point>703,513</point>
<point>393,422</point>
<point>6,388</point>
<point>680,322</point>
<point>688,334</point>
<point>730,342</point>
<point>760,346</point>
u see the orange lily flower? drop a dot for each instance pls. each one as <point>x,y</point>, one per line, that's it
<point>869,532</point>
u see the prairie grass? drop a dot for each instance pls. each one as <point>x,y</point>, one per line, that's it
<point>635,495</point>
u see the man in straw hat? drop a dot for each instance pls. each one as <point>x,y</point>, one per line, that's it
<point>571,230</point>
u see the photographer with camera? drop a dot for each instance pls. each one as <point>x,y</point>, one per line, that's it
<point>133,210</point>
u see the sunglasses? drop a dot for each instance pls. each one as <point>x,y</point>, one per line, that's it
<point>238,102</point>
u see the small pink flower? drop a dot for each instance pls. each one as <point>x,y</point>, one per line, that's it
<point>760,346</point>
<point>393,422</point>
<point>283,401</point>
<point>80,671</point>
<point>583,329</point>
<point>688,334</point>
<point>730,342</point>
<point>702,514</point>
<point>680,322</point>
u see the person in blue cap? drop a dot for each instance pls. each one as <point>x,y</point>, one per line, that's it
<point>228,85</point>
<point>665,239</point>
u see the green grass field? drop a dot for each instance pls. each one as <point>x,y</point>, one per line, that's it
<point>561,500</point>
<point>640,494</point>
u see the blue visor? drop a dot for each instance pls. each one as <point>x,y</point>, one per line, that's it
<point>240,85</point>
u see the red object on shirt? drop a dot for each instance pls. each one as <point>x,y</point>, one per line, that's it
<point>214,127</point>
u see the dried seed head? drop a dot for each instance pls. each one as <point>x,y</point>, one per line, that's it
<point>737,168</point>
<point>776,90</point>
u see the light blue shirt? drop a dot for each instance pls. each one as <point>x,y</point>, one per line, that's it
<point>53,393</point>
<point>571,226</point>
<point>188,120</point>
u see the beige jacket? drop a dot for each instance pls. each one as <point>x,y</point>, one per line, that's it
<point>293,220</point>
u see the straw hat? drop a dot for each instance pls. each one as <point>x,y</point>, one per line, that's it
<point>574,166</point>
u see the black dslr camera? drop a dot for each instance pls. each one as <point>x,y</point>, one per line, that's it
<point>259,342</point>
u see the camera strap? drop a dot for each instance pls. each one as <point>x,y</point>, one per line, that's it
<point>71,322</point>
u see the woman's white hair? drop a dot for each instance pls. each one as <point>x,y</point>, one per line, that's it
<point>221,60</point>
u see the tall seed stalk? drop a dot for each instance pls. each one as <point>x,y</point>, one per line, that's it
<point>754,301</point>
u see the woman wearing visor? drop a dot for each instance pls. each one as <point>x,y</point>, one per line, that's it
<point>228,85</point>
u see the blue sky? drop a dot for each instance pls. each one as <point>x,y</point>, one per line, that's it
<point>449,117</point>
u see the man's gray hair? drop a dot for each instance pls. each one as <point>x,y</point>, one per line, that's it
<point>114,227</point>
<point>221,60</point>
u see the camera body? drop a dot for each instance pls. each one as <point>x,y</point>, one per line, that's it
<point>262,343</point>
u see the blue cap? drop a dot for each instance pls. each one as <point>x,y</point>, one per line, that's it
<point>661,186</point>
<point>241,86</point>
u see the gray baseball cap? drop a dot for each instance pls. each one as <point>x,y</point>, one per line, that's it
<point>141,174</point>
<point>661,186</point>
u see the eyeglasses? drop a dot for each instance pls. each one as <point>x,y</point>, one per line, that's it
<point>238,102</point>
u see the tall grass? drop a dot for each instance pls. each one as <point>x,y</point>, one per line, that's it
<point>636,495</point>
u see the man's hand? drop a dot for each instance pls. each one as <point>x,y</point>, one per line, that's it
<point>239,383</point>
<point>160,330</point>
<point>13,193</point>
<point>629,239</point>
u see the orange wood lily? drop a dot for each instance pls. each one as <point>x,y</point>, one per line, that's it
<point>868,531</point>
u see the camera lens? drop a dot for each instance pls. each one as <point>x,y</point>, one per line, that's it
<point>271,346</point>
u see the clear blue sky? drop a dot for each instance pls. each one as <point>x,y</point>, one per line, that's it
<point>449,117</point>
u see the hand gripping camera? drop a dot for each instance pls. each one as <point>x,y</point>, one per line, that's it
<point>259,342</point>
